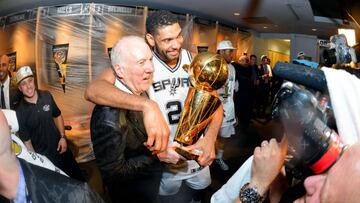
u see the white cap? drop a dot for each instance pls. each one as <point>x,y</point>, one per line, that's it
<point>225,44</point>
<point>301,53</point>
<point>23,73</point>
<point>263,56</point>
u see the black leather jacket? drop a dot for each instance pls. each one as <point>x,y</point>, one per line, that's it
<point>124,162</point>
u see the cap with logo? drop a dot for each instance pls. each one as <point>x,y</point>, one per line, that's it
<point>23,73</point>
<point>301,53</point>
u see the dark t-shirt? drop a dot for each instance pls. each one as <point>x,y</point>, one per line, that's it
<point>36,123</point>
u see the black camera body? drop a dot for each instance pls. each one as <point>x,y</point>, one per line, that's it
<point>307,119</point>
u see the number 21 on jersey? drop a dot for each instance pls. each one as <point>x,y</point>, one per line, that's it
<point>174,110</point>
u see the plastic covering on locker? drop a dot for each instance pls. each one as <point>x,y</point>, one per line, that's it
<point>204,35</point>
<point>63,39</point>
<point>241,40</point>
<point>18,39</point>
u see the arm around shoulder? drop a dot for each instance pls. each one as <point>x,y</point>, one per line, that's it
<point>103,92</point>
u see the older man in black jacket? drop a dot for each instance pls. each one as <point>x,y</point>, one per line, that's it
<point>129,170</point>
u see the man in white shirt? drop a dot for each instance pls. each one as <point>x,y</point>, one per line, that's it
<point>226,94</point>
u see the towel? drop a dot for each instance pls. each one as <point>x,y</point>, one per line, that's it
<point>344,91</point>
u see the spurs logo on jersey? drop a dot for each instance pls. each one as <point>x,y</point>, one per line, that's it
<point>170,84</point>
<point>170,87</point>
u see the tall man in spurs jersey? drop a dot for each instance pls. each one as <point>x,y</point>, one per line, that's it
<point>169,90</point>
<point>170,87</point>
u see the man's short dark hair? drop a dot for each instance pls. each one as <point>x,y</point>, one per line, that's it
<point>253,56</point>
<point>159,19</point>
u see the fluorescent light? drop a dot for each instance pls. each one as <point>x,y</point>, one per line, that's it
<point>314,29</point>
<point>236,14</point>
<point>350,35</point>
<point>265,27</point>
<point>286,40</point>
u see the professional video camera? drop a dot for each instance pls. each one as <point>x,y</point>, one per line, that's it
<point>303,108</point>
<point>308,121</point>
<point>340,52</point>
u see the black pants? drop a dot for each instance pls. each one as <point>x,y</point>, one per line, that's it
<point>67,163</point>
<point>137,189</point>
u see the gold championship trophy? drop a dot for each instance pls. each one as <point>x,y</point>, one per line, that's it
<point>207,73</point>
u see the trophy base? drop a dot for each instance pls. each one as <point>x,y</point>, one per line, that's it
<point>186,154</point>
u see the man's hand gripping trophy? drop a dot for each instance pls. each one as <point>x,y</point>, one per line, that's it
<point>207,73</point>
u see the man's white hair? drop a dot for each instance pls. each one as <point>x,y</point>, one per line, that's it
<point>121,49</point>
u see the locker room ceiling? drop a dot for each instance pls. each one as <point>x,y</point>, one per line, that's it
<point>313,17</point>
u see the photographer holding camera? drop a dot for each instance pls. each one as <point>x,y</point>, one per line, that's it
<point>341,56</point>
<point>307,116</point>
<point>334,186</point>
